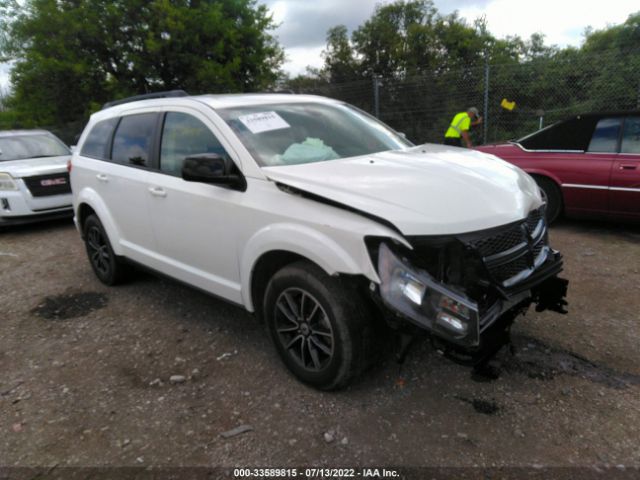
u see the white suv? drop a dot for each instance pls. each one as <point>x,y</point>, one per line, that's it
<point>34,182</point>
<point>326,223</point>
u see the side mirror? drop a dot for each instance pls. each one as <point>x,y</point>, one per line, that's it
<point>214,169</point>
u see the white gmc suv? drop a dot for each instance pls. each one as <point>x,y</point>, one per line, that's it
<point>326,223</point>
<point>34,182</point>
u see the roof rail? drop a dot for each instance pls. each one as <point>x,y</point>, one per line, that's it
<point>146,96</point>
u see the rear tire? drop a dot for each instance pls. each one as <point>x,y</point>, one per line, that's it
<point>109,269</point>
<point>553,197</point>
<point>319,325</point>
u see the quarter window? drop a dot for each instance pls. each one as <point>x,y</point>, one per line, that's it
<point>185,135</point>
<point>631,136</point>
<point>605,137</point>
<point>96,144</point>
<point>133,140</point>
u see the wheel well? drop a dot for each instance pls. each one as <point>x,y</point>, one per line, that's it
<point>553,182</point>
<point>84,211</point>
<point>545,177</point>
<point>265,268</point>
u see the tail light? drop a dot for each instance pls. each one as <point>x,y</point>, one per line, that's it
<point>69,166</point>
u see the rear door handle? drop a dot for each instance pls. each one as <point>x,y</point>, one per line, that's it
<point>627,166</point>
<point>157,192</point>
<point>102,177</point>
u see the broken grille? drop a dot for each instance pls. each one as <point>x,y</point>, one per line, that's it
<point>513,253</point>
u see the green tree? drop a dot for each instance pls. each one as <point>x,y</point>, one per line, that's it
<point>71,55</point>
<point>340,64</point>
<point>397,36</point>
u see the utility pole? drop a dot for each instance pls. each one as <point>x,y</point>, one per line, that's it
<point>376,95</point>
<point>485,122</point>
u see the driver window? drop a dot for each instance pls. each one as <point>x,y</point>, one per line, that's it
<point>184,135</point>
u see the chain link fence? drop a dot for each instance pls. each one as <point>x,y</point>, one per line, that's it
<point>544,91</point>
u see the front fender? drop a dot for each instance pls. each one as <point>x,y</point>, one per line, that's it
<point>348,256</point>
<point>91,198</point>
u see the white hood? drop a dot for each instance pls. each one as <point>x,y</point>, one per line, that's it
<point>426,190</point>
<point>30,167</point>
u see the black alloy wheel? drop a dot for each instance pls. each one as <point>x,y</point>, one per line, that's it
<point>304,329</point>
<point>98,251</point>
<point>321,325</point>
<point>108,267</point>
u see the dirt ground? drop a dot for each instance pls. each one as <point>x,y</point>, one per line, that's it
<point>85,375</point>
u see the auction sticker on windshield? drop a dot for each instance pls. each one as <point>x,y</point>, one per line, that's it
<point>263,122</point>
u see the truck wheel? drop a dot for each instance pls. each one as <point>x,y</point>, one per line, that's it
<point>109,269</point>
<point>553,197</point>
<point>319,325</point>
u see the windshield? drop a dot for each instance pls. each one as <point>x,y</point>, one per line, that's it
<point>295,133</point>
<point>19,147</point>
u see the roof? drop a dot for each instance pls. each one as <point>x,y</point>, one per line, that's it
<point>252,99</point>
<point>604,114</point>
<point>215,101</point>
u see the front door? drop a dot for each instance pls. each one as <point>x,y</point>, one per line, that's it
<point>194,223</point>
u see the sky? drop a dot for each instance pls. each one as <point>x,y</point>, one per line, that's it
<point>303,24</point>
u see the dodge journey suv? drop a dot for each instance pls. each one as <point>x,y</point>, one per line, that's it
<point>327,224</point>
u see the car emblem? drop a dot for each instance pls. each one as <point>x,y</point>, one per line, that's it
<point>50,182</point>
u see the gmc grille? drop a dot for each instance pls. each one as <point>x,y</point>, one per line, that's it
<point>45,185</point>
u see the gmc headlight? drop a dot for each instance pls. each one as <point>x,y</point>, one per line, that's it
<point>428,303</point>
<point>7,183</point>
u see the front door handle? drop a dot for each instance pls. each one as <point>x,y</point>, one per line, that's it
<point>627,166</point>
<point>102,177</point>
<point>157,192</point>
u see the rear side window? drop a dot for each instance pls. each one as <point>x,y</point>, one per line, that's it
<point>133,140</point>
<point>605,137</point>
<point>631,136</point>
<point>184,135</point>
<point>97,142</point>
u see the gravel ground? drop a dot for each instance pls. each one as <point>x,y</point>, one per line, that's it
<point>153,372</point>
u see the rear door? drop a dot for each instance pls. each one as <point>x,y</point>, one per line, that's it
<point>118,171</point>
<point>625,175</point>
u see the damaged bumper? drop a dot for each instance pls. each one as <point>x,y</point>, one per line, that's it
<point>469,322</point>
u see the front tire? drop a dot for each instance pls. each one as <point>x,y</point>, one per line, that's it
<point>319,326</point>
<point>109,269</point>
<point>552,196</point>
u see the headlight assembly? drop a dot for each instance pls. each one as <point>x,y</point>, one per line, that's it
<point>7,182</point>
<point>428,303</point>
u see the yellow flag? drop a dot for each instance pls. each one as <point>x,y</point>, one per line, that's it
<point>507,105</point>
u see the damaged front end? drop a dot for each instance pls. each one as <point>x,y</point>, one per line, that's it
<point>466,290</point>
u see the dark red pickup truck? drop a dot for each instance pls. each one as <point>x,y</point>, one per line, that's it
<point>587,165</point>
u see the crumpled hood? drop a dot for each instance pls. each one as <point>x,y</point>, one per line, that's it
<point>29,167</point>
<point>426,190</point>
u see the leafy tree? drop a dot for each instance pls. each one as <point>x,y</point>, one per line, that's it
<point>72,55</point>
<point>340,64</point>
<point>398,36</point>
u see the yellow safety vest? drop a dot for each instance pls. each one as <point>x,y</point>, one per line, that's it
<point>460,123</point>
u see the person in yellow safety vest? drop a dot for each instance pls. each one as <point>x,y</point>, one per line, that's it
<point>459,128</point>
